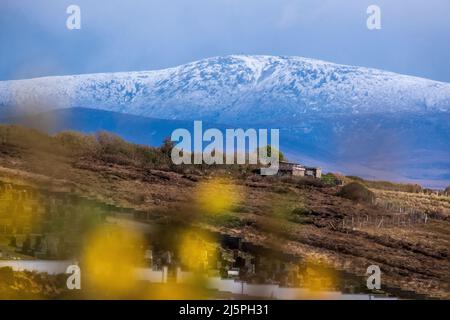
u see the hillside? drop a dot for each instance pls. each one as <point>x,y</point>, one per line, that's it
<point>310,217</point>
<point>399,147</point>
<point>362,121</point>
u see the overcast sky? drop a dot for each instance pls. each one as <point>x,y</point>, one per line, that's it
<point>119,35</point>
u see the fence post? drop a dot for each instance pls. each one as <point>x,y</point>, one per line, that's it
<point>381,222</point>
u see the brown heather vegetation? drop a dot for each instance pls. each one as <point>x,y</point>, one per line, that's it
<point>300,216</point>
<point>100,145</point>
<point>386,185</point>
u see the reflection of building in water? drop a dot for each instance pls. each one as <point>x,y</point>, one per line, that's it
<point>233,262</point>
<point>44,224</point>
<point>50,225</point>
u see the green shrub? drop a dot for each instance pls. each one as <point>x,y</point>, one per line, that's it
<point>268,151</point>
<point>357,192</point>
<point>331,179</point>
<point>301,215</point>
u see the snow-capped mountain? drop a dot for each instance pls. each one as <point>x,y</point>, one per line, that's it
<point>362,121</point>
<point>235,89</point>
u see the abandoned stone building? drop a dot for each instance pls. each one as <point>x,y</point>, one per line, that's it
<point>295,169</point>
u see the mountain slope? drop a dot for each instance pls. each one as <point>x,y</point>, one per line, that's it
<point>235,89</point>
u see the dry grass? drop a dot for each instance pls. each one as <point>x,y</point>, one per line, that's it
<point>437,205</point>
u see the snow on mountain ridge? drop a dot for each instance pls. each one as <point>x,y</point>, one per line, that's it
<point>234,89</point>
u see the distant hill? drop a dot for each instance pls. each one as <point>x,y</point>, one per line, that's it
<point>141,130</point>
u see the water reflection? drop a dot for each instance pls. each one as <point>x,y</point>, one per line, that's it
<point>119,254</point>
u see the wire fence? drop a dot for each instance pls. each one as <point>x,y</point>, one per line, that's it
<point>394,207</point>
<point>385,221</point>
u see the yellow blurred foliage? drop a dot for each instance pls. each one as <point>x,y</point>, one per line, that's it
<point>17,208</point>
<point>196,250</point>
<point>111,256</point>
<point>319,278</point>
<point>193,290</point>
<point>217,196</point>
